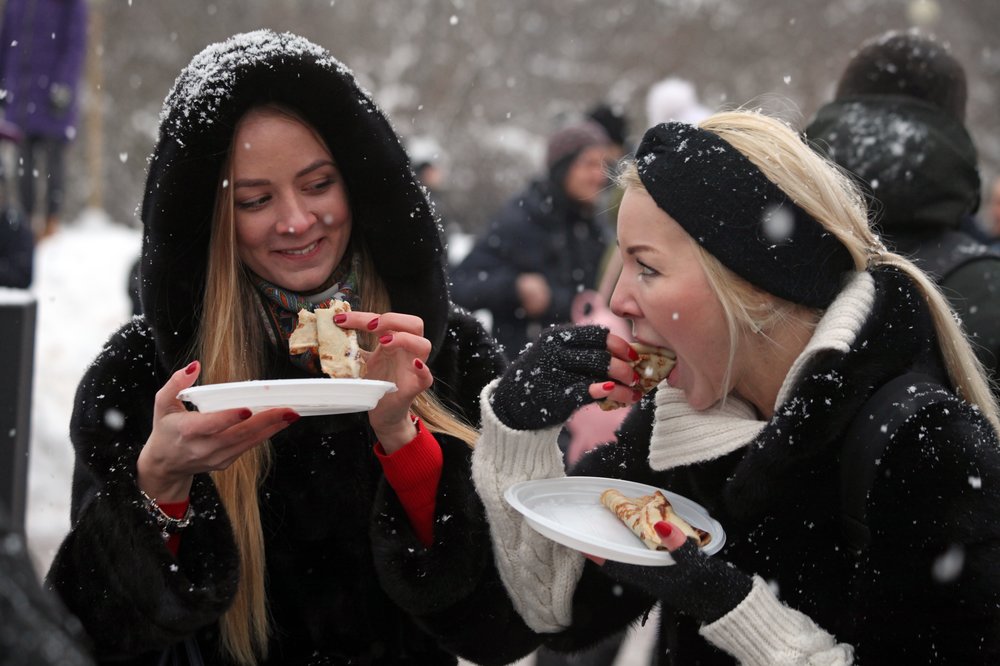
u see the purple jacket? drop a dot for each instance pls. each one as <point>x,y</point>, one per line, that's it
<point>42,44</point>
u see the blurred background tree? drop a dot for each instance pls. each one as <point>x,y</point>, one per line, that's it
<point>486,80</point>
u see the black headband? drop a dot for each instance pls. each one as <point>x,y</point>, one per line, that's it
<point>744,220</point>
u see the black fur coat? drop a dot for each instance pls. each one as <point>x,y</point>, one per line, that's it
<point>347,580</point>
<point>927,590</point>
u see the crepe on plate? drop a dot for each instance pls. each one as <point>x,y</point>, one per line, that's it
<point>337,348</point>
<point>641,513</point>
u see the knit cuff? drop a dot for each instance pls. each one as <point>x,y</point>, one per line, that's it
<point>415,465</point>
<point>762,630</point>
<point>539,574</point>
<point>414,472</point>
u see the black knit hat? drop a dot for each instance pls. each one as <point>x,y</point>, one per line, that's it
<point>910,64</point>
<point>613,121</point>
<point>744,220</point>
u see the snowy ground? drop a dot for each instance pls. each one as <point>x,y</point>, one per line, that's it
<point>80,285</point>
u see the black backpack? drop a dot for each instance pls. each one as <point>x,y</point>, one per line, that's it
<point>866,440</point>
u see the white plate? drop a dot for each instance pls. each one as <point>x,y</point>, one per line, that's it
<point>308,397</point>
<point>569,511</point>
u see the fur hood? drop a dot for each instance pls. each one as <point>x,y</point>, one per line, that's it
<point>391,212</point>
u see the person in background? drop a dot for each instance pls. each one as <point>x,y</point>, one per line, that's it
<point>614,123</point>
<point>797,334</point>
<point>17,243</point>
<point>243,537</point>
<point>42,48</point>
<point>896,122</point>
<point>612,120</point>
<point>544,245</point>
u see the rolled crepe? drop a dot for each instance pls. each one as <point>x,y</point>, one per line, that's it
<point>653,366</point>
<point>641,513</point>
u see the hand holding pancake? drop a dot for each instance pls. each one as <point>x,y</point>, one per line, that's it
<point>400,356</point>
<point>566,367</point>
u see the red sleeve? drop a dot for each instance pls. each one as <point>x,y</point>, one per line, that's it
<point>175,510</point>
<point>414,472</point>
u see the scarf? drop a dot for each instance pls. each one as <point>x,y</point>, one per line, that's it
<point>280,307</point>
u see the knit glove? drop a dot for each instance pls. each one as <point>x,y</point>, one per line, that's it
<point>552,377</point>
<point>697,585</point>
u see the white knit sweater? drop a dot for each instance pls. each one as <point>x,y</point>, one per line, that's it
<point>541,575</point>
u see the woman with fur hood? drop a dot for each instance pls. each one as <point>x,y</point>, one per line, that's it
<point>797,334</point>
<point>261,538</point>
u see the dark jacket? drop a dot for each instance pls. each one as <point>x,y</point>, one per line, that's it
<point>537,231</point>
<point>919,163</point>
<point>348,581</point>
<point>42,49</point>
<point>17,249</point>
<point>935,503</point>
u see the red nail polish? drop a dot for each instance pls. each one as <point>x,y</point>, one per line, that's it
<point>373,324</point>
<point>418,364</point>
<point>290,417</point>
<point>663,528</point>
<point>245,414</point>
<point>192,366</point>
<point>635,377</point>
<point>385,339</point>
<point>633,355</point>
<point>607,386</point>
<point>339,318</point>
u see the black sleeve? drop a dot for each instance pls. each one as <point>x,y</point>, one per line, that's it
<point>113,570</point>
<point>452,588</point>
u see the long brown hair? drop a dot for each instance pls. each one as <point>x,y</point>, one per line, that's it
<point>228,343</point>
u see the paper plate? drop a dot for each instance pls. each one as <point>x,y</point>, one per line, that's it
<point>569,511</point>
<point>308,397</point>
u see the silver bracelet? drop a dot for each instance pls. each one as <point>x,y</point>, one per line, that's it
<point>167,524</point>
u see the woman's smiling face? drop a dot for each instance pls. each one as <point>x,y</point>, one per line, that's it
<point>293,219</point>
<point>663,290</point>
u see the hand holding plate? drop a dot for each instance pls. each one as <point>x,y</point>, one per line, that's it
<point>703,587</point>
<point>184,443</point>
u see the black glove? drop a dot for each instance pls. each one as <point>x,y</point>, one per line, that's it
<point>551,378</point>
<point>698,585</point>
